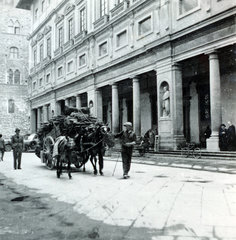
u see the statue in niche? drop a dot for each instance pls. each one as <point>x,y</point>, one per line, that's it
<point>166,102</point>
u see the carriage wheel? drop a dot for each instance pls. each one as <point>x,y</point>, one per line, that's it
<point>48,152</point>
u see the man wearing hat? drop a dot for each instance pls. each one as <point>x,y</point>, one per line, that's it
<point>17,143</point>
<point>128,140</point>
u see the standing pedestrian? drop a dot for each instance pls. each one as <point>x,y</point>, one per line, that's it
<point>17,143</point>
<point>128,140</point>
<point>223,138</point>
<point>145,143</point>
<point>231,136</point>
<point>2,147</point>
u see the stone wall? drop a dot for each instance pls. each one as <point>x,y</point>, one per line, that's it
<point>12,94</point>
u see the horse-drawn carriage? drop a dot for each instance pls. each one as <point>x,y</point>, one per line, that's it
<point>73,138</point>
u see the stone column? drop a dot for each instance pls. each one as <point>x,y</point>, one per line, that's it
<point>115,108</point>
<point>45,113</point>
<point>99,105</point>
<point>78,101</point>
<point>215,98</point>
<point>39,117</point>
<point>67,102</point>
<point>33,121</point>
<point>136,106</point>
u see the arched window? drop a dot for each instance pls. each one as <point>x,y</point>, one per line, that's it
<point>10,76</point>
<point>10,27</point>
<point>17,27</point>
<point>14,52</point>
<point>17,77</point>
<point>10,106</point>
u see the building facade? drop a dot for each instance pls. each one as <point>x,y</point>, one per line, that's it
<point>162,65</point>
<point>14,54</point>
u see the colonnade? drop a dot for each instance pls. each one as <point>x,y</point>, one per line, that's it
<point>45,112</point>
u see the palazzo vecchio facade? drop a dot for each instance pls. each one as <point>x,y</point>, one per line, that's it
<point>163,65</point>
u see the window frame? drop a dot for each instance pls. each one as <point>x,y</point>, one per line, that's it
<point>70,64</point>
<point>48,78</point>
<point>60,41</point>
<point>85,60</point>
<point>103,7</point>
<point>60,69</point>
<point>70,25</point>
<point>17,71</point>
<point>41,52</point>
<point>144,18</point>
<point>99,49</point>
<point>14,53</point>
<point>181,15</point>
<point>117,38</point>
<point>82,19</point>
<point>49,46</point>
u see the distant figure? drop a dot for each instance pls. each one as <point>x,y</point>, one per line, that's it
<point>2,147</point>
<point>207,132</point>
<point>145,143</point>
<point>166,102</point>
<point>17,143</point>
<point>231,137</point>
<point>223,138</point>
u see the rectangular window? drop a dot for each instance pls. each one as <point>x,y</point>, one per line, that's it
<point>48,78</point>
<point>41,52</point>
<point>103,49</point>
<point>59,72</point>
<point>103,7</point>
<point>122,39</point>
<point>35,57</point>
<point>70,29</point>
<point>82,60</point>
<point>82,20</point>
<point>187,5</point>
<point>34,85</point>
<point>144,26</point>
<point>60,36</point>
<point>70,66</point>
<point>40,82</point>
<point>49,47</point>
<point>36,14</point>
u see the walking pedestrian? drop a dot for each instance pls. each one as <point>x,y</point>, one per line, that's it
<point>231,136</point>
<point>2,147</point>
<point>17,143</point>
<point>128,140</point>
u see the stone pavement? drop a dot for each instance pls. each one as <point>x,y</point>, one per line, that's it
<point>158,202</point>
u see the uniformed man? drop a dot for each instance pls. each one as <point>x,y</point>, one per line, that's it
<point>17,143</point>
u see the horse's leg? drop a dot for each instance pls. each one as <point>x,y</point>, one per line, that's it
<point>69,169</point>
<point>100,161</point>
<point>85,159</point>
<point>58,167</point>
<point>94,163</point>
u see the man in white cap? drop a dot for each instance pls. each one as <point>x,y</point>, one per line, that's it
<point>17,143</point>
<point>128,140</point>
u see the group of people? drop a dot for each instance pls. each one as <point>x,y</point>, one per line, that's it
<point>227,138</point>
<point>17,143</point>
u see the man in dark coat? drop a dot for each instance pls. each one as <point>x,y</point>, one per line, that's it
<point>17,143</point>
<point>223,138</point>
<point>231,137</point>
<point>128,140</point>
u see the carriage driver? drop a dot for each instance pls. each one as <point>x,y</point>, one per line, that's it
<point>128,140</point>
